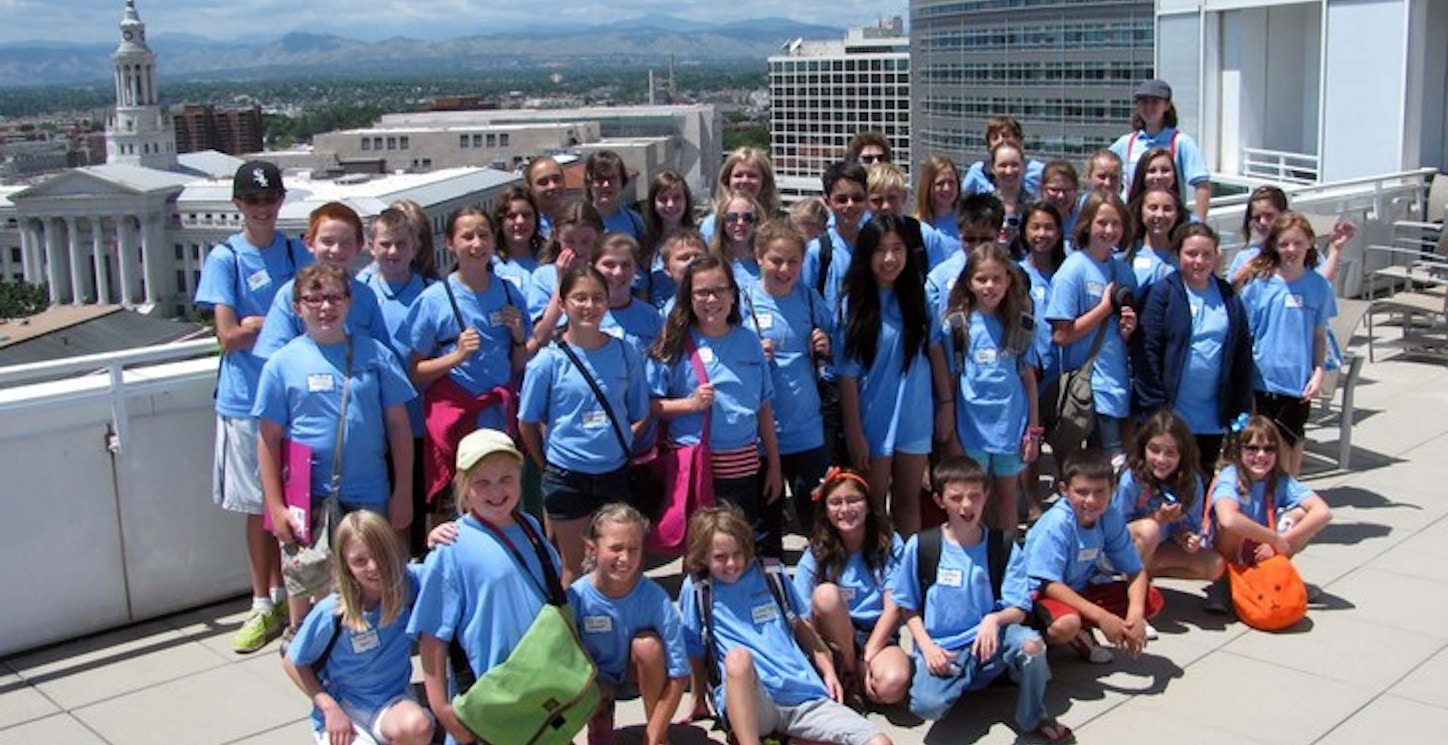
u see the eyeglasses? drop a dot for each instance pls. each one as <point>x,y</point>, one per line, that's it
<point>709,293</point>
<point>749,218</point>
<point>604,180</point>
<point>331,298</point>
<point>1013,222</point>
<point>1259,449</point>
<point>260,200</point>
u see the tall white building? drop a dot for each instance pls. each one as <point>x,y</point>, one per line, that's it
<point>1322,90</point>
<point>823,92</point>
<point>140,133</point>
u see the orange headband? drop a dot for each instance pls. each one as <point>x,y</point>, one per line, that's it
<point>838,474</point>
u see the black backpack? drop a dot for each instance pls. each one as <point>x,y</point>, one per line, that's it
<point>998,554</point>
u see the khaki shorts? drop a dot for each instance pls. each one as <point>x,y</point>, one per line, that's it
<point>236,477</point>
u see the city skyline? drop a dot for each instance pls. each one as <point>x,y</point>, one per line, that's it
<point>46,22</point>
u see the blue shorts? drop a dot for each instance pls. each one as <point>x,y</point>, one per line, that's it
<point>998,465</point>
<point>573,495</point>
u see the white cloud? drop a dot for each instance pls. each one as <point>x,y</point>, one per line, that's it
<point>91,21</point>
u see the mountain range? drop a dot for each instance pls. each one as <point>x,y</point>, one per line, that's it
<point>637,41</point>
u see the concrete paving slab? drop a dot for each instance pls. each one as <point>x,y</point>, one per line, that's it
<point>60,729</point>
<point>20,702</point>
<point>1428,683</point>
<point>1396,601</point>
<point>1134,723</point>
<point>217,706</point>
<point>112,664</point>
<point>213,627</point>
<point>1337,646</point>
<point>1390,719</point>
<point>295,733</point>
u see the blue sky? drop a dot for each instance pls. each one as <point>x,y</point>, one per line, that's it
<point>89,21</point>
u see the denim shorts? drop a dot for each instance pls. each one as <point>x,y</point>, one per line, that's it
<point>998,465</point>
<point>574,495</point>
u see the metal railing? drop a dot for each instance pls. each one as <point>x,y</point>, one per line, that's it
<point>1281,166</point>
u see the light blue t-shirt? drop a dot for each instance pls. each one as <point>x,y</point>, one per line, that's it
<point>1059,549</point>
<point>301,389</point>
<point>747,616</point>
<point>1289,494</point>
<point>1284,317</point>
<point>962,594</point>
<point>433,331</point>
<point>475,591</point>
<point>1191,167</point>
<point>940,281</point>
<point>735,365</point>
<point>949,232</point>
<point>840,254</point>
<point>637,323</point>
<point>788,322</point>
<point>626,221</point>
<point>245,278</point>
<point>746,271</point>
<point>977,182</point>
<point>1148,266</point>
<point>608,626</point>
<point>861,589</point>
<point>283,324</point>
<point>896,404</point>
<point>518,271</point>
<point>541,287</point>
<point>1197,398</point>
<point>580,436</point>
<point>396,302</point>
<point>1076,288</point>
<point>1134,502</point>
<point>1046,352</point>
<point>991,409</point>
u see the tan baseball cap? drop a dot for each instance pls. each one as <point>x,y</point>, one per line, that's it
<point>482,443</point>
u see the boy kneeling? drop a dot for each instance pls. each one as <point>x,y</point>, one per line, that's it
<point>965,598</point>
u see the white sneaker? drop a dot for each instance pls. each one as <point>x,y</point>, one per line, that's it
<point>1151,634</point>
<point>1090,650</point>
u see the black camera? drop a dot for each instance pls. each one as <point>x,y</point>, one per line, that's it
<point>1122,297</point>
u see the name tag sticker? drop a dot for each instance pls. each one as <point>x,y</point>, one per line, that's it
<point>1293,301</point>
<point>496,318</point>
<point>258,279</point>
<point>1039,294</point>
<point>766,322</point>
<point>706,355</point>
<point>1094,289</point>
<point>1196,309</point>
<point>592,419</point>
<point>597,624</point>
<point>1141,262</point>
<point>847,594</point>
<point>985,356</point>
<point>364,641</point>
<point>763,613</point>
<point>949,577</point>
<point>319,383</point>
<point>614,331</point>
<point>1087,555</point>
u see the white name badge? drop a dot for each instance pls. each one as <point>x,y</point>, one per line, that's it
<point>1039,294</point>
<point>597,624</point>
<point>319,383</point>
<point>766,322</point>
<point>763,613</point>
<point>1293,301</point>
<point>847,594</point>
<point>949,577</point>
<point>1196,309</point>
<point>496,318</point>
<point>1141,262</point>
<point>1087,555</point>
<point>985,356</point>
<point>258,279</point>
<point>1094,289</point>
<point>593,419</point>
<point>615,331</point>
<point>706,355</point>
<point>364,641</point>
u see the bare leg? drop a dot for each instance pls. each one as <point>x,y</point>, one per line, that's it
<point>909,474</point>
<point>568,535</point>
<point>405,723</point>
<point>739,681</point>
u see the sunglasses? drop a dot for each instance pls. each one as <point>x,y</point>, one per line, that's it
<point>258,200</point>
<point>749,218</point>
<point>1259,449</point>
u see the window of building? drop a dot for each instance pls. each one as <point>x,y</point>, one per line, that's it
<point>503,139</point>
<point>477,140</point>
<point>463,141</point>
<point>492,139</point>
<point>403,142</point>
<point>366,143</point>
<point>391,143</point>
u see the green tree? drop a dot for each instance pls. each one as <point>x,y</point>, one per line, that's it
<point>21,299</point>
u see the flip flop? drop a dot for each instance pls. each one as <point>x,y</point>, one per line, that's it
<point>1053,731</point>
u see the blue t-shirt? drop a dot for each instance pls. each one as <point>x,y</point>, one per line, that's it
<point>246,279</point>
<point>1046,352</point>
<point>1284,317</point>
<point>637,323</point>
<point>788,321</point>
<point>1191,167</point>
<point>608,625</point>
<point>283,324</point>
<point>433,331</point>
<point>518,271</point>
<point>1134,502</point>
<point>541,287</point>
<point>580,436</point>
<point>940,281</point>
<point>735,365</point>
<point>1059,549</point>
<point>625,220</point>
<point>896,405</point>
<point>976,181</point>
<point>474,590</point>
<point>747,616</point>
<point>962,594</point>
<point>301,389</point>
<point>862,590</point>
<point>1288,494</point>
<point>746,271</point>
<point>991,409</point>
<point>1076,288</point>
<point>1148,266</point>
<point>950,235</point>
<point>655,286</point>
<point>840,252</point>
<point>396,303</point>
<point>367,669</point>
<point>1196,400</point>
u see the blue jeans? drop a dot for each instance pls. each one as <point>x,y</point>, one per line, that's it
<point>931,696</point>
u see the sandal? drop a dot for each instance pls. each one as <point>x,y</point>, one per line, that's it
<point>1053,731</point>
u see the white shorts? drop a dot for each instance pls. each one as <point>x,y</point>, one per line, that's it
<point>235,476</point>
<point>366,723</point>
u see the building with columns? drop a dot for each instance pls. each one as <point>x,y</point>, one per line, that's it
<point>139,132</point>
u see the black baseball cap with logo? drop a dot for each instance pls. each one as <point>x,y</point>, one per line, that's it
<point>256,177</point>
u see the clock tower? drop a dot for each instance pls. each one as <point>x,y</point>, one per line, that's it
<point>139,133</point>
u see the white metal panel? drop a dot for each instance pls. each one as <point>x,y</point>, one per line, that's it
<point>1364,83</point>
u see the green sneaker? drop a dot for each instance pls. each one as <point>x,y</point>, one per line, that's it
<point>260,627</point>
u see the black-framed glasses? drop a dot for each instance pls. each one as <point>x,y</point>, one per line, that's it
<point>709,293</point>
<point>330,298</point>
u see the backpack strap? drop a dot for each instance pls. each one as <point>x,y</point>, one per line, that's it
<point>959,338</point>
<point>320,663</point>
<point>827,251</point>
<point>998,554</point>
<point>774,578</point>
<point>704,607</point>
<point>927,561</point>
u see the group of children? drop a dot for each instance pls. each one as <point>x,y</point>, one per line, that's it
<point>850,333</point>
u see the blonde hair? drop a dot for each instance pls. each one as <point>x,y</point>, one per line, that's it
<point>812,208</point>
<point>884,176</point>
<point>377,535</point>
<point>722,518</point>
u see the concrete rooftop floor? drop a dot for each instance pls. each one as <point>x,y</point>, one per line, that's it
<point>1369,664</point>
